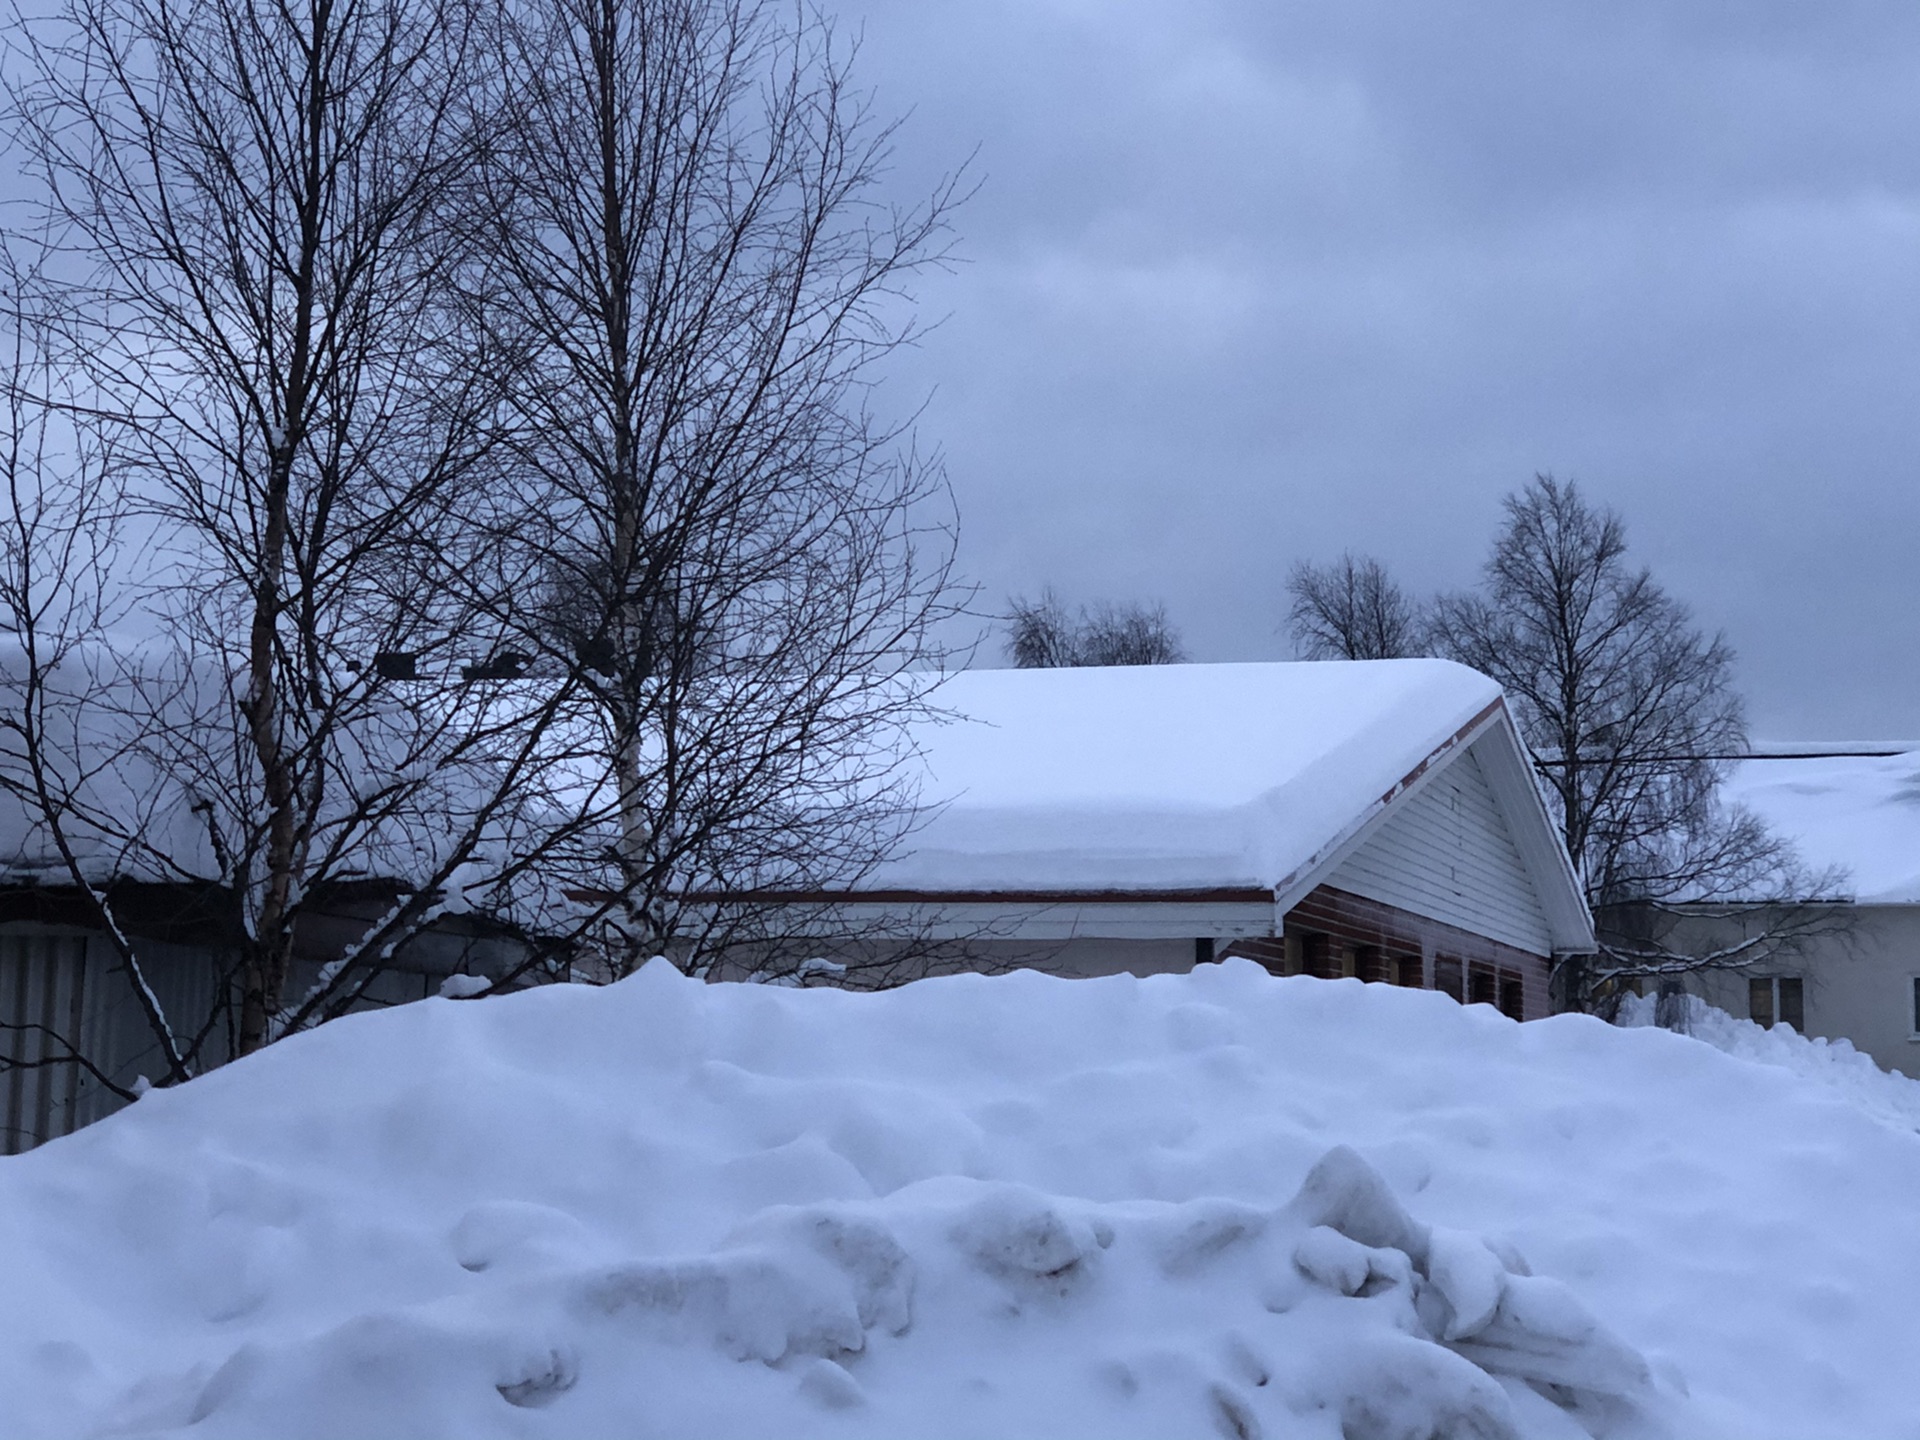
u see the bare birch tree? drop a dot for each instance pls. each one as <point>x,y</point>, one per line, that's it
<point>684,253</point>
<point>248,204</point>
<point>58,543</point>
<point>1632,718</point>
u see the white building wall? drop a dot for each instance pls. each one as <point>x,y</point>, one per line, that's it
<point>1446,854</point>
<point>1858,981</point>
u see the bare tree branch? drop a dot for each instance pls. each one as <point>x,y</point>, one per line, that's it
<point>1043,633</point>
<point>1351,609</point>
<point>267,336</point>
<point>1617,691</point>
<point>689,281</point>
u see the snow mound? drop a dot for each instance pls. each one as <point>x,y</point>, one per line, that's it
<point>1217,1205</point>
<point>1833,1063</point>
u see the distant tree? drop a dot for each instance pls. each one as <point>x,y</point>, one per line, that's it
<point>1351,609</point>
<point>1129,634</point>
<point>1043,633</point>
<point>1630,711</point>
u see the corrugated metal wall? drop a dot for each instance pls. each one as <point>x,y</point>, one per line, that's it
<point>44,985</point>
<point>57,988</point>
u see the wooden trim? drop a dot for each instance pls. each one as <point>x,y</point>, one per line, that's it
<point>1406,781</point>
<point>1335,932</point>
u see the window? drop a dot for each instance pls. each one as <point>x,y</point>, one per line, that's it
<point>1513,996</point>
<point>1483,986</point>
<point>1370,964</point>
<point>1779,1000</point>
<point>1410,972</point>
<point>1316,957</point>
<point>1916,1007</point>
<point>1447,977</point>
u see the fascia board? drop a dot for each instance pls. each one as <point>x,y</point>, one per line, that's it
<point>1495,743</point>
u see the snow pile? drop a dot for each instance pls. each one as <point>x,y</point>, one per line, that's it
<point>1217,1205</point>
<point>1884,1094</point>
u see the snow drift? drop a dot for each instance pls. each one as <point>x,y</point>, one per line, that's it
<point>1217,1205</point>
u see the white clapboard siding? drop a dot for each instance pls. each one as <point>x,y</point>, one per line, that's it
<point>1446,853</point>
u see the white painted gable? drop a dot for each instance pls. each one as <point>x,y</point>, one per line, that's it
<point>1445,852</point>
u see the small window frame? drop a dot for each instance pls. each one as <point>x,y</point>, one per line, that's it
<point>1780,1009</point>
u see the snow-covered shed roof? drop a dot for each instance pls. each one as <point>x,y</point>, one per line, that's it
<point>1860,812</point>
<point>1246,777</point>
<point>143,742</point>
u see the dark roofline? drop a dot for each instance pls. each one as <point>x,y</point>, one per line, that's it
<point>1216,895</point>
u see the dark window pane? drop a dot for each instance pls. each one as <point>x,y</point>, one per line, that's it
<point>1513,996</point>
<point>1760,1001</point>
<point>1480,985</point>
<point>1916,1004</point>
<point>1790,1010</point>
<point>1370,963</point>
<point>1316,956</point>
<point>1447,978</point>
<point>1411,973</point>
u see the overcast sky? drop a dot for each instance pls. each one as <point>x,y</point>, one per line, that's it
<point>1250,281</point>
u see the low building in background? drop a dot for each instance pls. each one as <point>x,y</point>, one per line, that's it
<point>72,1020</point>
<point>1855,972</point>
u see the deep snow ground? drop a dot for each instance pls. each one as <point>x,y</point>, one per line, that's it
<point>1015,1206</point>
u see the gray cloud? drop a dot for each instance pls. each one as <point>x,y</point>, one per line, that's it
<point>1250,282</point>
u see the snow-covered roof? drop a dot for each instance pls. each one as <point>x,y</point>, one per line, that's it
<point>145,745</point>
<point>1177,778</point>
<point>1860,812</point>
<point>1171,776</point>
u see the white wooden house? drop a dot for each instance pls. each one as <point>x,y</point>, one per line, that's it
<point>1373,819</point>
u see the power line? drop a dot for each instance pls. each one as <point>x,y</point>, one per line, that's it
<point>1876,754</point>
